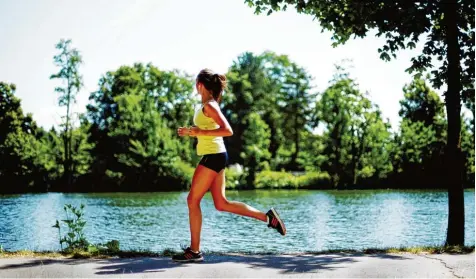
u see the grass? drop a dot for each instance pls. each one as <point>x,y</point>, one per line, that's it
<point>170,252</point>
<point>84,254</point>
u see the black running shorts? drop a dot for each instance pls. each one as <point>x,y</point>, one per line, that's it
<point>215,162</point>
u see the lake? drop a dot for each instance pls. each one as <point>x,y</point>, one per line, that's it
<point>315,220</point>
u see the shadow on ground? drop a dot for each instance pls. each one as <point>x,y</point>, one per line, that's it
<point>284,263</point>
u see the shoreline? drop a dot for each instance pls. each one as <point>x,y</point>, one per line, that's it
<point>471,189</point>
<point>432,250</point>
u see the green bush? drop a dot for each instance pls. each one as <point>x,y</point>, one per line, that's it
<point>314,180</point>
<point>74,236</point>
<point>275,179</point>
<point>110,247</point>
<point>285,180</point>
<point>234,179</point>
<point>182,174</point>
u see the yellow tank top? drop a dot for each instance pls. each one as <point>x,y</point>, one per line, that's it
<point>208,144</point>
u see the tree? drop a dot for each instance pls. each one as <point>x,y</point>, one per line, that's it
<point>256,144</point>
<point>102,113</point>
<point>467,145</point>
<point>450,28</point>
<point>52,154</point>
<point>290,86</point>
<point>127,116</point>
<point>421,140</point>
<point>420,103</point>
<point>149,149</point>
<point>418,149</point>
<point>370,145</point>
<point>312,156</point>
<point>355,136</point>
<point>68,60</point>
<point>278,90</point>
<point>247,87</point>
<point>23,160</point>
<point>334,110</point>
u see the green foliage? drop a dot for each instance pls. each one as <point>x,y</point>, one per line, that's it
<point>68,60</point>
<point>108,248</point>
<point>449,26</point>
<point>24,159</point>
<point>131,119</point>
<point>256,143</point>
<point>248,87</point>
<point>312,157</point>
<point>81,151</point>
<point>419,145</point>
<point>275,88</point>
<point>291,103</point>
<point>127,141</point>
<point>416,140</point>
<point>286,180</point>
<point>314,180</point>
<point>146,149</point>
<point>181,174</point>
<point>421,103</point>
<point>74,236</point>
<point>355,138</point>
<point>468,148</point>
<point>402,23</point>
<point>372,146</point>
<point>275,180</point>
<point>234,178</point>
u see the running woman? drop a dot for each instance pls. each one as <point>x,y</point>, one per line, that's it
<point>210,128</point>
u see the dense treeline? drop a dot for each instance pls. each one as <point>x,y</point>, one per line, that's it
<point>126,140</point>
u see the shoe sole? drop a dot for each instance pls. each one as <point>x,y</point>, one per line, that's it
<point>279,220</point>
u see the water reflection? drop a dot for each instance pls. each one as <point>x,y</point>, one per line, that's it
<point>316,220</point>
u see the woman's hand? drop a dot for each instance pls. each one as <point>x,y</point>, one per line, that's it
<point>189,131</point>
<point>183,131</point>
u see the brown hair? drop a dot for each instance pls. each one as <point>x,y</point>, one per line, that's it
<point>213,82</point>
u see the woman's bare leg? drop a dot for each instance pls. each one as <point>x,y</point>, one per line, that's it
<point>222,204</point>
<point>202,179</point>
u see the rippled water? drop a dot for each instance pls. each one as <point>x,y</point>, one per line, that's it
<point>315,220</point>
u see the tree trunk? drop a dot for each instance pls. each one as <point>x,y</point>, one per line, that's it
<point>274,142</point>
<point>455,232</point>
<point>67,141</point>
<point>336,172</point>
<point>354,155</point>
<point>294,157</point>
<point>66,159</point>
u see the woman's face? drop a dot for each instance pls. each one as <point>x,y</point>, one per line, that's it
<point>201,89</point>
<point>197,86</point>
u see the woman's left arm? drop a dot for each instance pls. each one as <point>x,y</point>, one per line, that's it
<point>214,112</point>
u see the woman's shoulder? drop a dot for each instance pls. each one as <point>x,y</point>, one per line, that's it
<point>210,107</point>
<point>212,103</point>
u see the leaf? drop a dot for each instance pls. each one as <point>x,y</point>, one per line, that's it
<point>385,56</point>
<point>93,249</point>
<point>411,45</point>
<point>56,225</point>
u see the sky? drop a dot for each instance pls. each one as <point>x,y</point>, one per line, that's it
<point>188,35</point>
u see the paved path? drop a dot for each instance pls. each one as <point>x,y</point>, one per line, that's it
<point>283,266</point>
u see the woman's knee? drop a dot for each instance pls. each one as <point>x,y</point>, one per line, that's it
<point>222,205</point>
<point>193,200</point>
